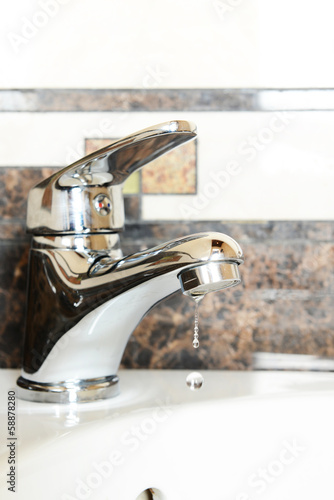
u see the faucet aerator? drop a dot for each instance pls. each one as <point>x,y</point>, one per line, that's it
<point>209,277</point>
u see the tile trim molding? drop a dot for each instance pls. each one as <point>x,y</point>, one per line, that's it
<point>137,100</point>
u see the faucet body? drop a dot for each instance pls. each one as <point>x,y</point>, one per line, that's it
<point>84,298</point>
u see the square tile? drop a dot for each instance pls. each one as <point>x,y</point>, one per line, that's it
<point>172,173</point>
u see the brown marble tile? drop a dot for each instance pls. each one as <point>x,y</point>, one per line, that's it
<point>246,233</point>
<point>13,273</point>
<point>15,184</point>
<point>55,100</point>
<point>233,325</point>
<point>290,265</point>
<point>173,173</point>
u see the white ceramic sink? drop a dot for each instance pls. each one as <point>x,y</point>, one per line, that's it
<point>242,436</point>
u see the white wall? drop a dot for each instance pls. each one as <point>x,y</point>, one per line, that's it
<point>182,43</point>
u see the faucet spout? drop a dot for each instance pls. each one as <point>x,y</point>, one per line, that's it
<point>92,302</point>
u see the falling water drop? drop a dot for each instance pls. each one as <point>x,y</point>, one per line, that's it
<point>194,381</point>
<point>196,328</point>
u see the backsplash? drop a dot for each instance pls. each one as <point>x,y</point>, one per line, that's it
<point>262,177</point>
<point>283,305</point>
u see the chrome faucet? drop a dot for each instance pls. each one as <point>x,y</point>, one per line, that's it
<point>84,298</point>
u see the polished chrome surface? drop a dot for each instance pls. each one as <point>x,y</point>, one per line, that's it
<point>84,298</point>
<point>92,245</point>
<point>86,197</point>
<point>211,277</point>
<point>70,391</point>
<point>83,305</point>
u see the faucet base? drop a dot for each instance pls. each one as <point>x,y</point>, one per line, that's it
<point>70,391</point>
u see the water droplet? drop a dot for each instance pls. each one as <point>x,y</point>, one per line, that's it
<point>194,381</point>
<point>196,328</point>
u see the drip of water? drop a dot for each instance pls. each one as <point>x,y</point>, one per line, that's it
<point>194,381</point>
<point>196,328</point>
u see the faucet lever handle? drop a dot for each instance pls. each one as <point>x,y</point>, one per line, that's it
<point>123,157</point>
<point>86,197</point>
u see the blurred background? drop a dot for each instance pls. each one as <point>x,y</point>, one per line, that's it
<point>257,78</point>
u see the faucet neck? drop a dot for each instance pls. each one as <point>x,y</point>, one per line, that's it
<point>83,304</point>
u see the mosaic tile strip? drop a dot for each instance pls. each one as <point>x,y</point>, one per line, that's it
<point>53,100</point>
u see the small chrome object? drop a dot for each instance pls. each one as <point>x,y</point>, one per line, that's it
<point>102,204</point>
<point>70,391</point>
<point>209,277</point>
<point>84,298</point>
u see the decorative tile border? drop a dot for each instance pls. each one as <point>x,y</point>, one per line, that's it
<point>60,100</point>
